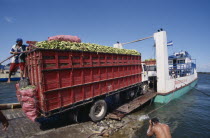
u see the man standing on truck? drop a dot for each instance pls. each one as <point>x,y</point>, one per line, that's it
<point>160,130</point>
<point>18,60</point>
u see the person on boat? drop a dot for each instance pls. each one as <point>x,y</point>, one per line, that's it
<point>4,121</point>
<point>158,129</point>
<point>18,60</point>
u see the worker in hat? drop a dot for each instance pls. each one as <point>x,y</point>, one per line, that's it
<point>18,60</point>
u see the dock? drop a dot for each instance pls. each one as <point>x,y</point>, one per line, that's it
<point>10,106</point>
<point>20,126</point>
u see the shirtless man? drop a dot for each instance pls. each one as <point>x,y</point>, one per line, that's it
<point>160,130</point>
<point>4,121</point>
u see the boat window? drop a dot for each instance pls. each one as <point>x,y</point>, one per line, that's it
<point>170,62</point>
<point>181,61</point>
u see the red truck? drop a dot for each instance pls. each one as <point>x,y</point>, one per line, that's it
<point>68,79</point>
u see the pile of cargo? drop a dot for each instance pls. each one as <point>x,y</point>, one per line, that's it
<point>150,61</point>
<point>66,45</point>
<point>27,97</point>
<point>69,38</point>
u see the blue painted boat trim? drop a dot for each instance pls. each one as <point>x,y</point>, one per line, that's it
<point>12,79</point>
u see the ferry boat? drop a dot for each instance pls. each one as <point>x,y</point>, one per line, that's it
<point>170,76</point>
<point>176,74</point>
<point>4,73</point>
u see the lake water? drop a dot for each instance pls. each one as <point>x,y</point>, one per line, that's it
<point>7,92</point>
<point>188,116</point>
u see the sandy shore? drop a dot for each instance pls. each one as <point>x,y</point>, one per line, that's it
<point>20,126</point>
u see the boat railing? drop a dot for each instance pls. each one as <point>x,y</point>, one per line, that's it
<point>181,70</point>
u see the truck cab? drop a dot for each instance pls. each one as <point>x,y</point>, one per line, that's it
<point>149,75</point>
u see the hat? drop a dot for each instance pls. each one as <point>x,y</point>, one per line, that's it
<point>19,39</point>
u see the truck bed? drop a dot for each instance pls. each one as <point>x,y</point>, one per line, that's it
<point>64,78</point>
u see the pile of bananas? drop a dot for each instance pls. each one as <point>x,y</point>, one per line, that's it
<point>151,59</point>
<point>63,45</point>
<point>29,87</point>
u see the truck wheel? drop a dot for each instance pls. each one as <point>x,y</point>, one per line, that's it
<point>98,110</point>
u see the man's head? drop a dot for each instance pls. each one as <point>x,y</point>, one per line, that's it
<point>155,120</point>
<point>19,41</point>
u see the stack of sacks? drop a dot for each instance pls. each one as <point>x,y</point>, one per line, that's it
<point>27,97</point>
<point>65,38</point>
<point>18,92</point>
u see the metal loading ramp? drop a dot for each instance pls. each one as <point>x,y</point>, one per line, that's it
<point>121,111</point>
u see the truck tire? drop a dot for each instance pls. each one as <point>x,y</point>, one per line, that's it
<point>98,110</point>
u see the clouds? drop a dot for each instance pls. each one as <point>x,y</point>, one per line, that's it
<point>9,19</point>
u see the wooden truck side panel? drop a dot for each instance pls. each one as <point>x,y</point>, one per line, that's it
<point>65,77</point>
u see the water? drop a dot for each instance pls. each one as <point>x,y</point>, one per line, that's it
<point>188,116</point>
<point>7,92</point>
<point>143,117</point>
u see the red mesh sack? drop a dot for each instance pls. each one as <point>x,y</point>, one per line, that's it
<point>28,92</point>
<point>32,115</point>
<point>18,97</point>
<point>27,99</point>
<point>17,86</point>
<point>28,107</point>
<point>69,38</point>
<point>18,92</point>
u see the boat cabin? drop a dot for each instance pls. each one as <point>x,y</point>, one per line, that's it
<point>181,64</point>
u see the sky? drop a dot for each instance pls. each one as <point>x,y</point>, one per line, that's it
<point>104,22</point>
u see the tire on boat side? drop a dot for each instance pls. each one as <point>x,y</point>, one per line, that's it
<point>98,110</point>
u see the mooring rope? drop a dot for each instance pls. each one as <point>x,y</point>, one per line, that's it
<point>162,105</point>
<point>194,88</point>
<point>137,40</point>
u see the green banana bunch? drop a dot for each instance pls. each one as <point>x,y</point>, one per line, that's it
<point>63,45</point>
<point>29,87</point>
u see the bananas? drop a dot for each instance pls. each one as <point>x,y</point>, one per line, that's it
<point>63,45</point>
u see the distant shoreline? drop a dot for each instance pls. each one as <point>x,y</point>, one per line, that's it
<point>203,72</point>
